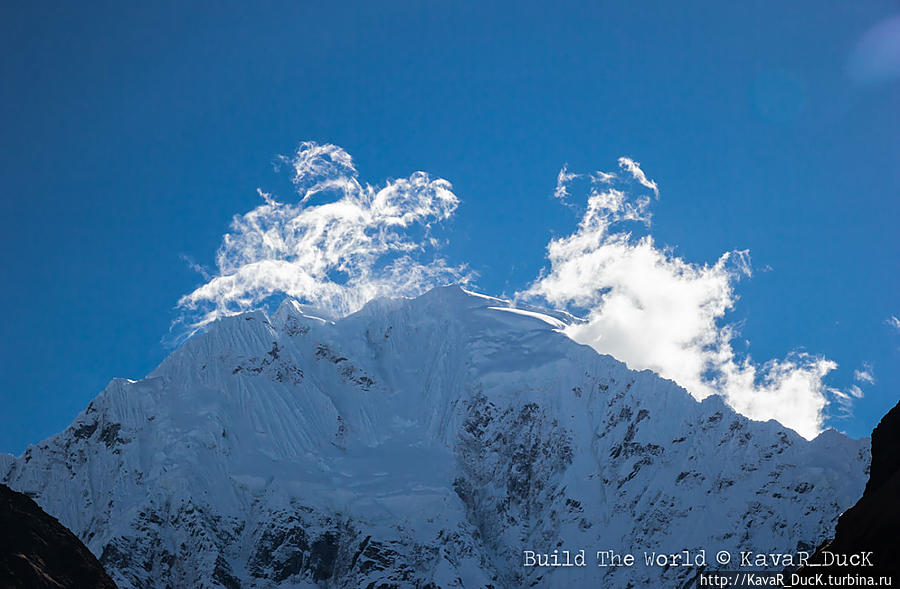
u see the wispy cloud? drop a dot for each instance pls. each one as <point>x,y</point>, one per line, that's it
<point>634,168</point>
<point>657,311</point>
<point>562,183</point>
<point>341,244</point>
<point>865,374</point>
<point>893,322</point>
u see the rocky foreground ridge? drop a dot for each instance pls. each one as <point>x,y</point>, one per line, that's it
<point>37,552</point>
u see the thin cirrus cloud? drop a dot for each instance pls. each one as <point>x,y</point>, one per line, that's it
<point>864,374</point>
<point>654,310</point>
<point>343,244</point>
<point>562,183</point>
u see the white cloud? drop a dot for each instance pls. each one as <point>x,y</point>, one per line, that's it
<point>193,265</point>
<point>341,245</point>
<point>634,168</point>
<point>599,177</point>
<point>865,374</point>
<point>562,183</point>
<point>654,310</point>
<point>893,322</point>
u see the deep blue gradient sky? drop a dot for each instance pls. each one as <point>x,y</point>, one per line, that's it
<point>131,135</point>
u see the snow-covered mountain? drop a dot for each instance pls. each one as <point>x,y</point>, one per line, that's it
<point>424,442</point>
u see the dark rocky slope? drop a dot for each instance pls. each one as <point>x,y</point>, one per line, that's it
<point>873,524</point>
<point>36,551</point>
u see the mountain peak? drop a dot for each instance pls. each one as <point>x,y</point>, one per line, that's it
<point>418,441</point>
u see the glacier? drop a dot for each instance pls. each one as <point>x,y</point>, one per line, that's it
<point>421,442</point>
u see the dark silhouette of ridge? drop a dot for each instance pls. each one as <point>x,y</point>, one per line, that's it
<point>37,552</point>
<point>873,524</point>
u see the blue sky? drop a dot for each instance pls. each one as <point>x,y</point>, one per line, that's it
<point>133,134</point>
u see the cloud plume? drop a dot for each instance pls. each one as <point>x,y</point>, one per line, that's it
<point>655,310</point>
<point>341,244</point>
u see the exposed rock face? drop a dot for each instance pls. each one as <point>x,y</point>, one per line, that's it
<point>423,442</point>
<point>873,524</point>
<point>36,551</point>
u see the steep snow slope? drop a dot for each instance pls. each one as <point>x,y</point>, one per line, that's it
<point>417,442</point>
